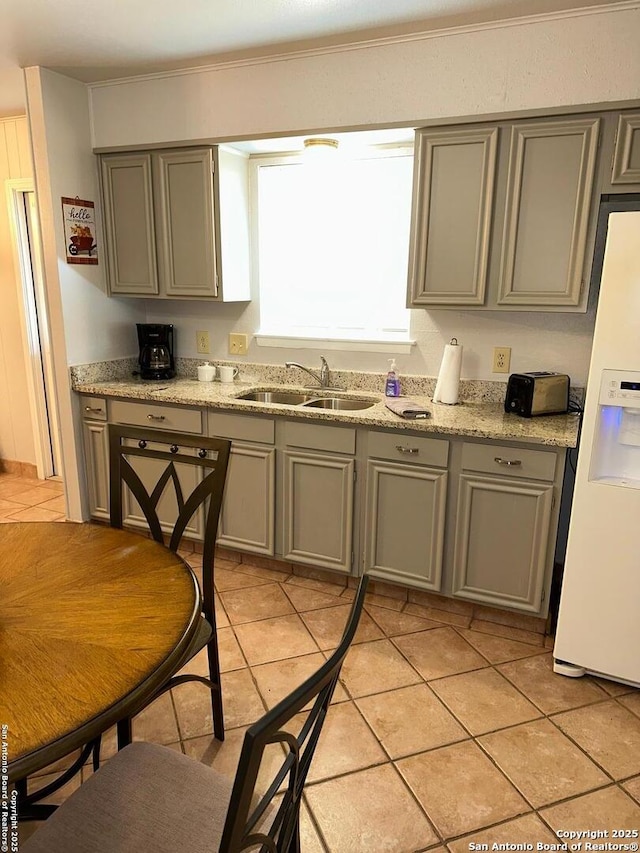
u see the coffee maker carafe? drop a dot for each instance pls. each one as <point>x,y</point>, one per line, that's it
<point>156,350</point>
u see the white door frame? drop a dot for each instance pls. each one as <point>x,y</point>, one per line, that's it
<point>36,338</point>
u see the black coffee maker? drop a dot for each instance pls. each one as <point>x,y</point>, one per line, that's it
<point>156,350</point>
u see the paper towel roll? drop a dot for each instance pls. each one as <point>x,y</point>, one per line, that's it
<point>449,377</point>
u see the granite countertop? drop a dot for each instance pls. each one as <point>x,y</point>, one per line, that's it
<point>477,419</point>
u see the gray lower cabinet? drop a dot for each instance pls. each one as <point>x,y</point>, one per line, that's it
<point>503,527</point>
<point>96,460</point>
<point>502,213</point>
<point>471,519</point>
<point>317,495</point>
<point>176,223</point>
<point>186,478</point>
<point>405,508</point>
<point>97,416</point>
<point>247,520</point>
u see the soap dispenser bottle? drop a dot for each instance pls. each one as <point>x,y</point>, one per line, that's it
<point>392,385</point>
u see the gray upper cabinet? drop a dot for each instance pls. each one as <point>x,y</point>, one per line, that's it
<point>626,159</point>
<point>549,187</point>
<point>502,215</point>
<point>451,222</point>
<point>184,208</point>
<point>176,223</point>
<point>129,224</point>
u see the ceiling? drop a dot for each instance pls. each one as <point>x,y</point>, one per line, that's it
<point>93,40</point>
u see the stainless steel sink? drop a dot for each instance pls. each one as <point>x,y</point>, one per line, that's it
<point>338,403</point>
<point>311,399</point>
<point>292,398</point>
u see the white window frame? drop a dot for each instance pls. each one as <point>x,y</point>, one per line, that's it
<point>393,343</point>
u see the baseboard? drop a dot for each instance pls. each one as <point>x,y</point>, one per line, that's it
<point>22,469</point>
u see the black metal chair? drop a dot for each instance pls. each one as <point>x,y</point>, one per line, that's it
<point>152,799</point>
<point>127,444</point>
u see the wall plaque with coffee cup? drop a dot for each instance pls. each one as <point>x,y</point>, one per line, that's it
<point>227,373</point>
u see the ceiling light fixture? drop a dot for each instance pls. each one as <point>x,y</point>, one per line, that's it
<point>320,141</point>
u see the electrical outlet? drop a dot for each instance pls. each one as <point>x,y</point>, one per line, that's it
<point>501,359</point>
<point>202,342</point>
<point>238,344</point>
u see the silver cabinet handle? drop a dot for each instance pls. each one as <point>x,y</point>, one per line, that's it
<point>155,417</point>
<point>403,449</point>
<point>94,409</point>
<point>502,461</point>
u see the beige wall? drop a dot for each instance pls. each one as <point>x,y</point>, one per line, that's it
<point>544,63</point>
<point>85,324</point>
<point>16,432</point>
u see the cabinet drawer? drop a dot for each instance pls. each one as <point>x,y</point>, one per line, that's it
<point>93,408</point>
<point>158,417</point>
<point>409,448</point>
<point>241,427</point>
<point>509,461</point>
<point>333,439</point>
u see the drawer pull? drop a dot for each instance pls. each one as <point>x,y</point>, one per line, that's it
<point>95,409</point>
<point>513,462</point>
<point>404,449</point>
<point>155,417</point>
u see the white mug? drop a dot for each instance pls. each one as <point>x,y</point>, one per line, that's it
<point>206,372</point>
<point>227,373</point>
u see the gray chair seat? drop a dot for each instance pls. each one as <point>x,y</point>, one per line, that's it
<point>146,799</point>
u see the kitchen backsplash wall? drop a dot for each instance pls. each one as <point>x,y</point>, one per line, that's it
<point>554,342</point>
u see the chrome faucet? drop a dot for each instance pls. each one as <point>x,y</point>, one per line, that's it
<point>323,378</point>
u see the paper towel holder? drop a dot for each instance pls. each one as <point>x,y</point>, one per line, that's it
<point>448,381</point>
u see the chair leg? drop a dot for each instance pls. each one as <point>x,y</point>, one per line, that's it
<point>294,846</point>
<point>124,733</point>
<point>216,694</point>
<point>96,753</point>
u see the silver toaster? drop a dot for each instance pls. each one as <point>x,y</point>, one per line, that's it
<point>541,393</point>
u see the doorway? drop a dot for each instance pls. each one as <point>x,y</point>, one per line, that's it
<point>32,300</point>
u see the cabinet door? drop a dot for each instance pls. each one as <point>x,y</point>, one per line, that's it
<point>318,493</point>
<point>247,518</point>
<point>453,197</point>
<point>150,471</point>
<point>549,188</point>
<point>96,453</point>
<point>183,183</point>
<point>405,523</point>
<point>501,540</point>
<point>626,160</point>
<point>129,224</point>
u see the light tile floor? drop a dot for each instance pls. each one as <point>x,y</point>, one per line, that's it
<point>438,736</point>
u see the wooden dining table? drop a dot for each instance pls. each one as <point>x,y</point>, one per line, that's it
<point>93,620</point>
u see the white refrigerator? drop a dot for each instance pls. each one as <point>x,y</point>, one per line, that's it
<point>598,628</point>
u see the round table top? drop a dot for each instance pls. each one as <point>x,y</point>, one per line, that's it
<point>92,621</point>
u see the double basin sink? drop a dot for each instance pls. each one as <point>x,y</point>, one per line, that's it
<point>309,400</point>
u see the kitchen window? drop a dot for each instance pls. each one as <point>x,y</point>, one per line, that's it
<point>333,241</point>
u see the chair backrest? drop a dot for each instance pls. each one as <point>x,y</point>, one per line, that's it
<point>209,454</point>
<point>272,823</point>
